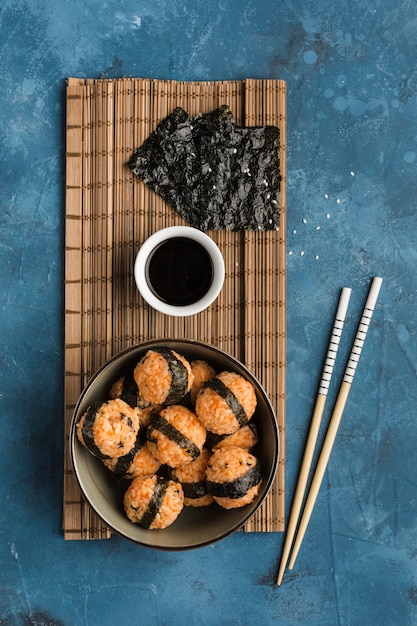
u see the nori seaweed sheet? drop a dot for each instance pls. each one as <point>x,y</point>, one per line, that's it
<point>215,174</point>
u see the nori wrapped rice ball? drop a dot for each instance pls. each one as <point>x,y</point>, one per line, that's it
<point>139,462</point>
<point>225,403</point>
<point>233,477</point>
<point>215,174</point>
<point>153,502</point>
<point>108,429</point>
<point>176,436</point>
<point>202,372</point>
<point>163,376</point>
<point>192,478</point>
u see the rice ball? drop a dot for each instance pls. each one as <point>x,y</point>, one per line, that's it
<point>153,502</point>
<point>138,462</point>
<point>225,403</point>
<point>176,436</point>
<point>233,477</point>
<point>163,376</point>
<point>202,372</point>
<point>192,478</point>
<point>108,429</point>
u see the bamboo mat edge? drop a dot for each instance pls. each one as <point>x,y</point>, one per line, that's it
<point>255,101</point>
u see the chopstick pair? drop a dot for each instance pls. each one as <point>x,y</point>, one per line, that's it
<point>333,424</point>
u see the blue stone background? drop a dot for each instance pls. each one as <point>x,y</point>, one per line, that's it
<point>352,195</point>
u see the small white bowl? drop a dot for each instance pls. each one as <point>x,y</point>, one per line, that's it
<point>141,270</point>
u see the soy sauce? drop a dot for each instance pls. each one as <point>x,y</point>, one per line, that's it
<point>179,271</point>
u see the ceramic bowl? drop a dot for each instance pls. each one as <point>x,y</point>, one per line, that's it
<point>194,527</point>
<point>180,271</point>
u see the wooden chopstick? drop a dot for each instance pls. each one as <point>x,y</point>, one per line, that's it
<point>337,414</point>
<point>326,376</point>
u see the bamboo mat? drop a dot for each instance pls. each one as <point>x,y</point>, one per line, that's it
<point>109,213</point>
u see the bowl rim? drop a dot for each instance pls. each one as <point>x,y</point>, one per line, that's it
<point>143,346</point>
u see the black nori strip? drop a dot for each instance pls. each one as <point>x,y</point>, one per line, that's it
<point>215,174</point>
<point>160,423</point>
<point>155,502</point>
<point>227,394</point>
<point>194,490</point>
<point>88,433</point>
<point>164,471</point>
<point>123,463</point>
<point>213,439</point>
<point>179,376</point>
<point>238,487</point>
<point>129,392</point>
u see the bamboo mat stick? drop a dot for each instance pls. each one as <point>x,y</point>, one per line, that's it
<point>121,234</point>
<point>232,249</point>
<point>73,290</point>
<point>337,414</point>
<point>118,273</point>
<point>122,226</point>
<point>99,330</point>
<point>280,359</point>
<point>88,160</point>
<point>145,127</point>
<point>248,259</point>
<point>127,236</point>
<point>102,242</point>
<point>205,318</point>
<point>89,279</point>
<point>88,212</point>
<point>108,250</point>
<point>251,285</point>
<point>326,376</point>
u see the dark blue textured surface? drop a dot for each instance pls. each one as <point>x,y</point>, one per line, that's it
<point>352,146</point>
